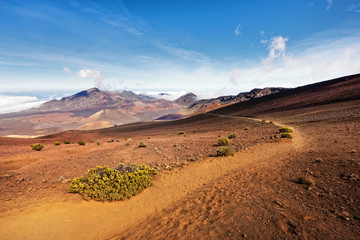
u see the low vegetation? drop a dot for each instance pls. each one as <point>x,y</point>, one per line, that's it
<point>142,145</point>
<point>107,184</point>
<point>233,135</point>
<point>223,141</point>
<point>285,130</point>
<point>224,151</point>
<point>246,128</point>
<point>98,143</point>
<point>81,143</point>
<point>37,146</point>
<point>181,133</point>
<point>67,142</point>
<point>286,135</point>
<point>57,143</point>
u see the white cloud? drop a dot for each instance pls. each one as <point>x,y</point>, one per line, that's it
<point>329,3</point>
<point>17,103</point>
<point>262,32</point>
<point>93,74</point>
<point>277,50</point>
<point>182,53</point>
<point>89,73</point>
<point>167,95</point>
<point>234,76</point>
<point>354,7</point>
<point>326,58</point>
<point>237,30</point>
<point>264,41</point>
<point>67,69</point>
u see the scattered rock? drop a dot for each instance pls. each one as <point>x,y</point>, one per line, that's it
<point>61,178</point>
<point>21,179</point>
<point>8,176</point>
<point>319,160</point>
<point>353,151</point>
<point>167,167</point>
<point>352,176</point>
<point>344,215</point>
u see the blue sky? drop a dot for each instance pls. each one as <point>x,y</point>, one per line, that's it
<point>211,47</point>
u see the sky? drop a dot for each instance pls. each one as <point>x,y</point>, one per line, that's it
<point>216,47</point>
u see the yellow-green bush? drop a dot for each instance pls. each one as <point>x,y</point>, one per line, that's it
<point>224,151</point>
<point>67,142</point>
<point>223,141</point>
<point>37,146</point>
<point>81,143</point>
<point>233,135</point>
<point>286,135</point>
<point>57,143</point>
<point>142,145</point>
<point>107,184</point>
<point>181,133</point>
<point>285,130</point>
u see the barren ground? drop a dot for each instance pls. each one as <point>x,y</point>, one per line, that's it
<point>252,195</point>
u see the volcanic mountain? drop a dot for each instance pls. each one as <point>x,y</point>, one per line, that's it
<point>86,110</point>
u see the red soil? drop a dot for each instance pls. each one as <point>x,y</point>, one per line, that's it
<point>252,195</point>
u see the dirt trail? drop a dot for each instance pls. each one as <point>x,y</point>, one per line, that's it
<point>94,220</point>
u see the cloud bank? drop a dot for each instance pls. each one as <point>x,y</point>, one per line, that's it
<point>10,104</point>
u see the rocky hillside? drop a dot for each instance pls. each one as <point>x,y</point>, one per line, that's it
<point>224,100</point>
<point>186,100</point>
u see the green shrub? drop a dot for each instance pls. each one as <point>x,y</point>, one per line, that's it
<point>67,142</point>
<point>57,143</point>
<point>223,141</point>
<point>127,143</point>
<point>286,135</point>
<point>264,122</point>
<point>91,141</point>
<point>81,143</point>
<point>285,130</point>
<point>181,133</point>
<point>142,145</point>
<point>37,146</point>
<point>246,128</point>
<point>233,135</point>
<point>98,142</point>
<point>224,151</point>
<point>106,184</point>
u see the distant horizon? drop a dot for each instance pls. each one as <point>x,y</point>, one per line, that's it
<point>17,101</point>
